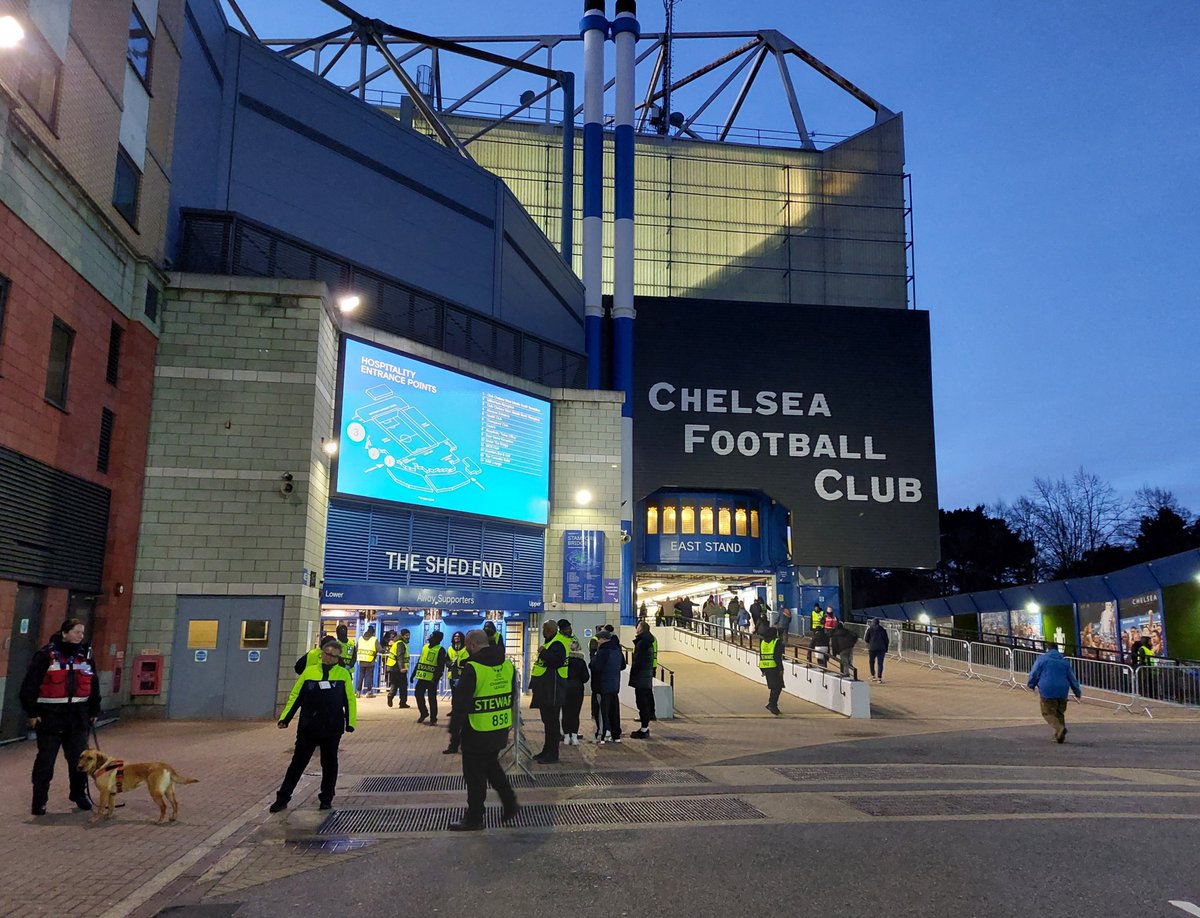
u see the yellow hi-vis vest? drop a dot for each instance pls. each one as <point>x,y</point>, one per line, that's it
<point>539,668</point>
<point>766,655</point>
<point>427,664</point>
<point>367,648</point>
<point>491,708</point>
<point>347,653</point>
<point>457,655</point>
<point>654,658</point>
<point>397,653</point>
<point>817,618</point>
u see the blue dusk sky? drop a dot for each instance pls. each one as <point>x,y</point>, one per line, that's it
<point>1055,158</point>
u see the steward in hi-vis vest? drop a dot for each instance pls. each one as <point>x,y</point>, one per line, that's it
<point>485,703</point>
<point>818,618</point>
<point>426,675</point>
<point>367,650</point>
<point>61,697</point>
<point>397,669</point>
<point>770,663</point>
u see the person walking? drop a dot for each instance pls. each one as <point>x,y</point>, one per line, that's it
<point>397,668</point>
<point>456,659</point>
<point>642,667</point>
<point>877,641</point>
<point>426,676</point>
<point>547,677</point>
<point>784,624</point>
<point>841,645</point>
<point>606,669</point>
<point>367,650</point>
<point>347,645</point>
<point>816,618</point>
<point>577,678</point>
<point>770,662</point>
<point>61,697</point>
<point>1054,679</point>
<point>324,698</point>
<point>756,614</point>
<point>818,646</point>
<point>481,713</point>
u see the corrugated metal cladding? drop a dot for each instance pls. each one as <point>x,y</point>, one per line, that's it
<point>53,526</point>
<point>360,536</point>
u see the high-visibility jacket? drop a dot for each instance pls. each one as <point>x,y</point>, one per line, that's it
<point>1145,656</point>
<point>426,667</point>
<point>766,655</point>
<point>830,622</point>
<point>457,656</point>
<point>347,653</point>
<point>319,699</point>
<point>818,618</point>
<point>539,668</point>
<point>397,654</point>
<point>68,679</point>
<point>654,649</point>
<point>367,649</point>
<point>491,707</point>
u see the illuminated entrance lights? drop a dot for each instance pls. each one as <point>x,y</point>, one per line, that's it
<point>11,32</point>
<point>348,302</point>
<point>583,497</point>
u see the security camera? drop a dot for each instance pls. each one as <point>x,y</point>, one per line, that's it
<point>286,486</point>
<point>626,538</point>
<point>553,604</point>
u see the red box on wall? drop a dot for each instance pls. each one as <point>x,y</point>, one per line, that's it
<point>147,674</point>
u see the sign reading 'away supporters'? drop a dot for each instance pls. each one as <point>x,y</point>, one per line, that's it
<point>832,417</point>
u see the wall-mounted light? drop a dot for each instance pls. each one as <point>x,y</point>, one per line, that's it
<point>348,302</point>
<point>330,446</point>
<point>11,32</point>
<point>923,618</point>
<point>583,497</point>
<point>1032,607</point>
<point>119,589</point>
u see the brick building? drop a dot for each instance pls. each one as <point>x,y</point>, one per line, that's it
<point>87,113</point>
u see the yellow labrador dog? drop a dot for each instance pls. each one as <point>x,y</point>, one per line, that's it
<point>113,776</point>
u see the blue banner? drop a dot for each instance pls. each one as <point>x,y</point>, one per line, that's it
<point>381,595</point>
<point>730,551</point>
<point>583,565</point>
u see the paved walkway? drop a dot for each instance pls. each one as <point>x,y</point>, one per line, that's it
<point>227,845</point>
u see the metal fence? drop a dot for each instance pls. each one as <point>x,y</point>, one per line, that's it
<point>794,653</point>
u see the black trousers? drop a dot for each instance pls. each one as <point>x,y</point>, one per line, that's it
<point>479,770</point>
<point>426,691</point>
<point>306,745</point>
<point>550,723</point>
<point>644,697</point>
<point>398,684</point>
<point>775,684</point>
<point>572,706</point>
<point>596,714</point>
<point>71,737</point>
<point>610,714</point>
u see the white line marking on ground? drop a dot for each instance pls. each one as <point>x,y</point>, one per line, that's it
<point>1186,906</point>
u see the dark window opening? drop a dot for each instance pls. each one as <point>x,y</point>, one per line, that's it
<point>140,50</point>
<point>107,420</point>
<point>126,187</point>
<point>39,79</point>
<point>115,334</point>
<point>4,285</point>
<point>151,307</point>
<point>58,369</point>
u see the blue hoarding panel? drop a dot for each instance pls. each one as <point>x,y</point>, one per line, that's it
<point>416,433</point>
<point>379,594</point>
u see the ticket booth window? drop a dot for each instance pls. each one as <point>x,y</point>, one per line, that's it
<point>668,520</point>
<point>706,520</point>
<point>652,521</point>
<point>724,521</point>
<point>255,633</point>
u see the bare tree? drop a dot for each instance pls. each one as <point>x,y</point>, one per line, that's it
<point>1148,501</point>
<point>1067,518</point>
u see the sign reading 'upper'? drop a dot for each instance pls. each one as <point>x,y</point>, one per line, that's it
<point>832,416</point>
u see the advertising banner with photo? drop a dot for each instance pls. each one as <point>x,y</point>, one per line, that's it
<point>1141,617</point>
<point>1027,625</point>
<point>1098,630</point>
<point>837,426</point>
<point>993,622</point>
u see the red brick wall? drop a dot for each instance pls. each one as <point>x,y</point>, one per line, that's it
<point>44,286</point>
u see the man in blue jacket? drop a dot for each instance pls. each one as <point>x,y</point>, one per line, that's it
<point>1053,678</point>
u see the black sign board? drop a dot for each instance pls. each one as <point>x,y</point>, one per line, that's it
<point>829,410</point>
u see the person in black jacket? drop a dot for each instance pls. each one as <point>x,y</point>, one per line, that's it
<point>771,666</point>
<point>577,677</point>
<point>877,647</point>
<point>818,646</point>
<point>606,669</point>
<point>426,676</point>
<point>641,678</point>
<point>548,689</point>
<point>481,718</point>
<point>324,698</point>
<point>61,698</point>
<point>841,645</point>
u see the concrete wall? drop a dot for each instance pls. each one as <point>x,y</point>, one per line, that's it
<point>270,140</point>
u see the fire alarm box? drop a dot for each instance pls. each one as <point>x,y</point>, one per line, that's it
<point>147,674</point>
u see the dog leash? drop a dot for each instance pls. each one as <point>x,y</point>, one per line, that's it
<point>96,740</point>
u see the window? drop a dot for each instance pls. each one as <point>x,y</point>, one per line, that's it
<point>255,634</point>
<point>4,284</point>
<point>706,520</point>
<point>652,521</point>
<point>687,520</point>
<point>140,51</point>
<point>107,419</point>
<point>127,185</point>
<point>754,530</point>
<point>39,79</point>
<point>115,334</point>
<point>739,520</point>
<point>151,307</point>
<point>723,521</point>
<point>58,369</point>
<point>202,634</point>
<point>668,520</point>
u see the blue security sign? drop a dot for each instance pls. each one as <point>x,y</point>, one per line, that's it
<point>372,594</point>
<point>253,656</point>
<point>421,434</point>
<point>201,656</point>
<point>583,565</point>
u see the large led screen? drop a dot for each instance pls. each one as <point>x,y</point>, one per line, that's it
<point>827,410</point>
<point>416,433</point>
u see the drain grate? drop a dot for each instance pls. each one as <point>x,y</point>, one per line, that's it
<point>396,820</point>
<point>1027,804</point>
<point>941,774</point>
<point>407,784</point>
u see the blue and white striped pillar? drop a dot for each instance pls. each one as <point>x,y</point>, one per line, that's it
<point>594,30</point>
<point>625,32</point>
